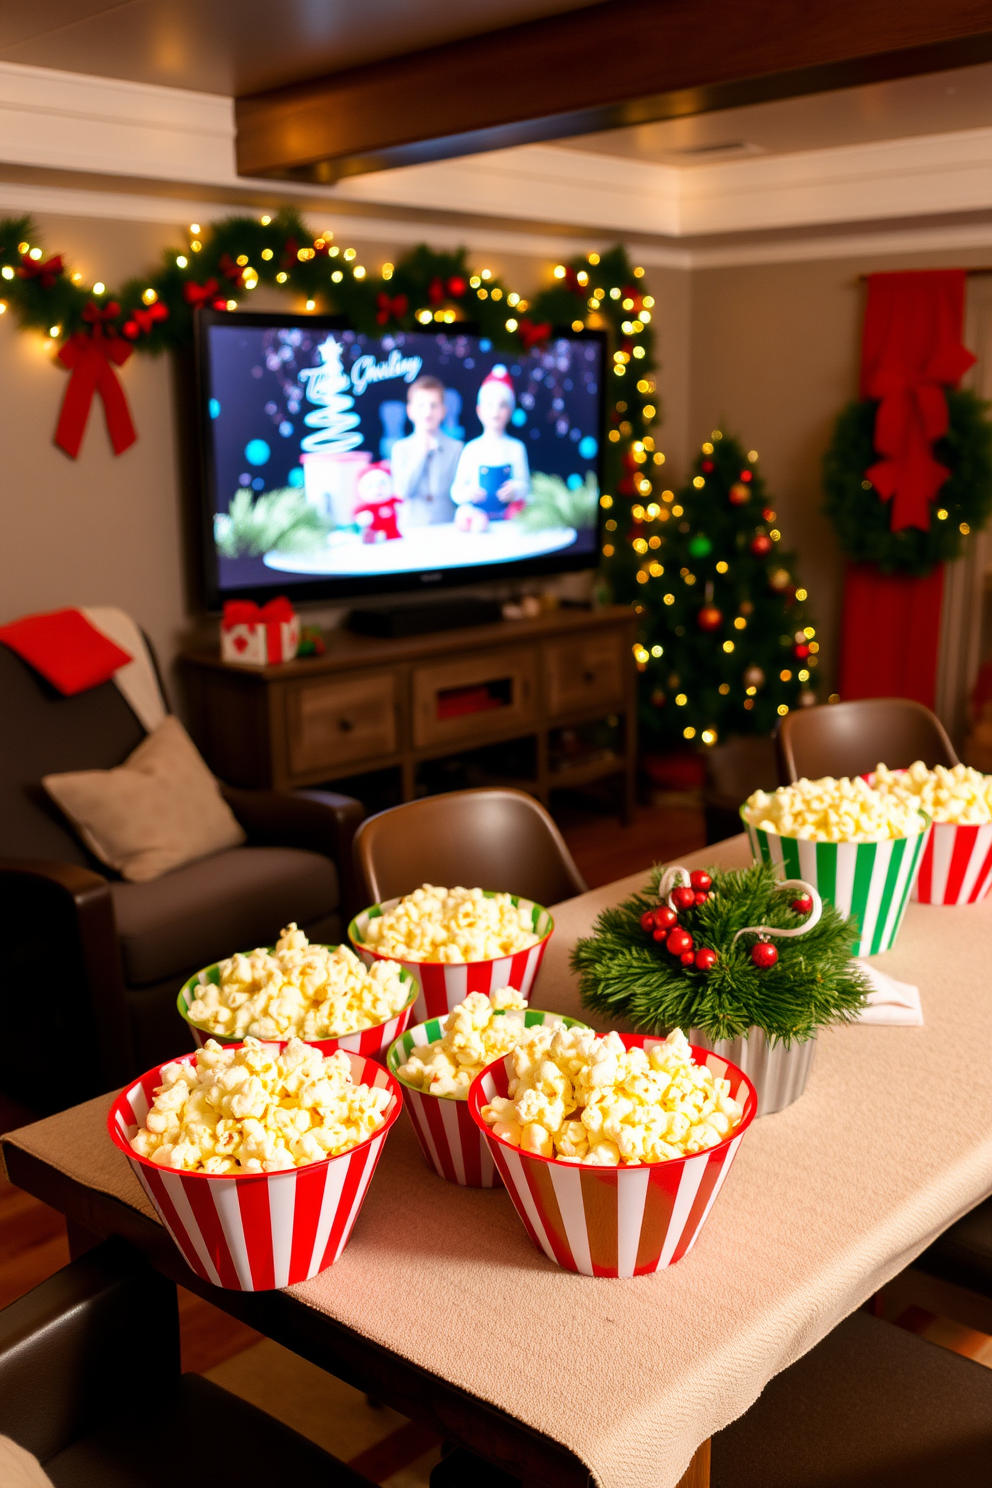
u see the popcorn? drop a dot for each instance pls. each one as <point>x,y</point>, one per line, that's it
<point>257,1109</point>
<point>475,1033</point>
<point>960,795</point>
<point>582,1097</point>
<point>302,990</point>
<point>830,810</point>
<point>451,925</point>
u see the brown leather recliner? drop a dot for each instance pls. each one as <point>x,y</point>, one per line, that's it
<point>852,738</point>
<point>90,1383</point>
<point>91,965</point>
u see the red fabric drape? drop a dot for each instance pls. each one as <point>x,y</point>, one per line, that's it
<point>911,349</point>
<point>890,635</point>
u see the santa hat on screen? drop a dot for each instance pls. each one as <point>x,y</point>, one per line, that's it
<point>499,377</point>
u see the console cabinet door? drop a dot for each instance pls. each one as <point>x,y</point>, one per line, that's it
<point>474,699</point>
<point>586,672</point>
<point>335,723</point>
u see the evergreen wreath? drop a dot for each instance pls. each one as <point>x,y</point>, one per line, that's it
<point>624,973</point>
<point>962,505</point>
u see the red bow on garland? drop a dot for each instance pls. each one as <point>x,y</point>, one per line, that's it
<point>143,320</point>
<point>89,356</point>
<point>532,333</point>
<point>247,612</point>
<point>198,294</point>
<point>391,309</point>
<point>46,273</point>
<point>911,350</point>
<point>229,268</point>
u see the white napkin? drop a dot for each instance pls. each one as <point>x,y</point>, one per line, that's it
<point>889,1001</point>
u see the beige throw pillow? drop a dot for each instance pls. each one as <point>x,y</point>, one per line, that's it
<point>158,810</point>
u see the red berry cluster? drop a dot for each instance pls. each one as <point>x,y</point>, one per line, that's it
<point>663,926</point>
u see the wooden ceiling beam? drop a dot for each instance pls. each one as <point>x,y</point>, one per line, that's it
<point>617,63</point>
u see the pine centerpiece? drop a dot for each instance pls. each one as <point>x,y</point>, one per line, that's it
<point>725,956</point>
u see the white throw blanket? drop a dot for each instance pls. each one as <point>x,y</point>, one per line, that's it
<point>137,680</point>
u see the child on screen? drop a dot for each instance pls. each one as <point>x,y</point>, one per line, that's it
<point>493,478</point>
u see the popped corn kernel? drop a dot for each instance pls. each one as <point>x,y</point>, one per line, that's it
<point>257,1109</point>
<point>583,1097</point>
<point>476,1032</point>
<point>452,925</point>
<point>298,990</point>
<point>829,810</point>
<point>960,795</point>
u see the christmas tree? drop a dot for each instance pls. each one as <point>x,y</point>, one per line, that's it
<point>329,387</point>
<point>725,642</point>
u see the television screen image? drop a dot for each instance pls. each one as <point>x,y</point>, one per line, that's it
<point>349,463</point>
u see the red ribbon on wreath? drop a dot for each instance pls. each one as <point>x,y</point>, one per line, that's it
<point>45,273</point>
<point>142,320</point>
<point>91,357</point>
<point>532,333</point>
<point>911,350</point>
<point>391,309</point>
<point>198,294</point>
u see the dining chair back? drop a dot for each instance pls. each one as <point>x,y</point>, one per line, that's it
<point>852,738</point>
<point>491,839</point>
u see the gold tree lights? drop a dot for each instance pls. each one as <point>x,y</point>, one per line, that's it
<point>725,643</point>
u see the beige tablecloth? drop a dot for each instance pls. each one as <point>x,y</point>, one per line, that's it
<point>829,1199</point>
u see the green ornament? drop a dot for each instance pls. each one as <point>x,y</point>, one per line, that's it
<point>700,546</point>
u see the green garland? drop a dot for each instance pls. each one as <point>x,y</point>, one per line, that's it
<point>623,973</point>
<point>962,505</point>
<point>221,265</point>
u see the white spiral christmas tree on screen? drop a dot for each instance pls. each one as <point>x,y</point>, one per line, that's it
<point>329,388</point>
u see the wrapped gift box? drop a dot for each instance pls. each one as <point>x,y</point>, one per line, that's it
<point>253,635</point>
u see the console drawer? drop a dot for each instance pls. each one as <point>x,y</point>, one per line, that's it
<point>584,673</point>
<point>473,699</point>
<point>329,724</point>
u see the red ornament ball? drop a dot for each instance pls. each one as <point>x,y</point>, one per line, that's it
<point>763,954</point>
<point>664,917</point>
<point>802,905</point>
<point>707,466</point>
<point>683,897</point>
<point>705,959</point>
<point>802,652</point>
<point>647,921</point>
<point>678,942</point>
<point>709,618</point>
<point>701,896</point>
<point>768,515</point>
<point>761,545</point>
<point>745,475</point>
<point>700,879</point>
<point>687,958</point>
<point>738,494</point>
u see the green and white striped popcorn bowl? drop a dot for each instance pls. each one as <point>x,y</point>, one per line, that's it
<point>869,881</point>
<point>451,1141</point>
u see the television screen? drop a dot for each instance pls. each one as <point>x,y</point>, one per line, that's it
<point>337,463</point>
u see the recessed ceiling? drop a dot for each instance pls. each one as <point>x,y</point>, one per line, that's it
<point>938,103</point>
<point>236,47</point>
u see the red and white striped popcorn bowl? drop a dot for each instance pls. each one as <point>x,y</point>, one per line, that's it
<point>371,1042</point>
<point>956,867</point>
<point>444,984</point>
<point>451,1141</point>
<point>254,1232</point>
<point>614,1221</point>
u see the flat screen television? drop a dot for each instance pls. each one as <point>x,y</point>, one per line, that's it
<point>338,464</point>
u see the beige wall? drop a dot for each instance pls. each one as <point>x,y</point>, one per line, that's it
<point>774,357</point>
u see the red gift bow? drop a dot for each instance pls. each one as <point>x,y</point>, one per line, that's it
<point>391,309</point>
<point>143,320</point>
<point>911,349</point>
<point>47,272</point>
<point>247,612</point>
<point>229,268</point>
<point>198,294</point>
<point>89,357</point>
<point>531,333</point>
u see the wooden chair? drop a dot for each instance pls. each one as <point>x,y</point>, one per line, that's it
<point>90,1383</point>
<point>491,839</point>
<point>852,738</point>
<point>92,964</point>
<point>872,1406</point>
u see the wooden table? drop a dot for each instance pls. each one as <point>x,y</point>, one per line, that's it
<point>827,1202</point>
